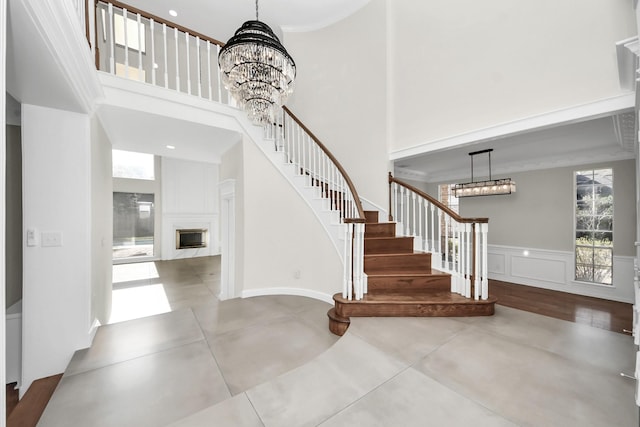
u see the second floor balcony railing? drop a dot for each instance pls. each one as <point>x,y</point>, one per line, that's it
<point>134,44</point>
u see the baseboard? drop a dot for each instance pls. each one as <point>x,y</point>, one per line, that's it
<point>288,291</point>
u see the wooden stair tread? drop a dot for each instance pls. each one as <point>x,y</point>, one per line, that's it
<point>402,298</point>
<point>432,273</point>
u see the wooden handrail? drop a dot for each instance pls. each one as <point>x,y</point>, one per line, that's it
<point>159,20</point>
<point>333,159</point>
<point>436,202</point>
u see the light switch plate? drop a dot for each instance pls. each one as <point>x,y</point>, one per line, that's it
<point>51,238</point>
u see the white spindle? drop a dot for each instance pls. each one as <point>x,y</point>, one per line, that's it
<point>432,244</point>
<point>422,235</point>
<point>126,43</point>
<point>175,39</point>
<point>477,281</point>
<point>166,54</point>
<point>413,214</point>
<point>469,251</point>
<point>358,254</point>
<point>210,91</point>
<point>198,72</point>
<point>218,77</point>
<point>112,41</point>
<point>446,242</point>
<point>153,51</point>
<point>139,23</point>
<point>484,274</point>
<point>188,61</point>
<point>348,261</point>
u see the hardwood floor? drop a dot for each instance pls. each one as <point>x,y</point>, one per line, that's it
<point>30,408</point>
<point>599,313</point>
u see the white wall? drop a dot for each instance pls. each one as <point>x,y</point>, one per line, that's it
<point>57,280</point>
<point>285,248</point>
<point>232,168</point>
<point>3,31</point>
<point>13,215</point>
<point>189,200</point>
<point>101,224</point>
<point>460,67</point>
<point>341,94</point>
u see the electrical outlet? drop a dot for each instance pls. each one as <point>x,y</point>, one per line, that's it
<point>296,274</point>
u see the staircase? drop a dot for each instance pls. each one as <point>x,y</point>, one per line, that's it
<point>401,283</point>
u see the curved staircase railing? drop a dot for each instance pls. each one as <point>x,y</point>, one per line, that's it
<point>458,245</point>
<point>137,45</point>
<point>324,172</point>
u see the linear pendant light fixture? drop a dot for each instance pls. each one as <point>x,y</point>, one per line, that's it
<point>492,187</point>
<point>257,70</point>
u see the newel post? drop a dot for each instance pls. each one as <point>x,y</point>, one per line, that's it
<point>390,189</point>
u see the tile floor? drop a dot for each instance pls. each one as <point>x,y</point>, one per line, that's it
<point>270,361</point>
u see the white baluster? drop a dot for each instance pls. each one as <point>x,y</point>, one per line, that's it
<point>477,283</point>
<point>348,262</point>
<point>407,231</point>
<point>198,73</point>
<point>209,87</point>
<point>413,215</point>
<point>446,244</point>
<point>468,228</point>
<point>175,39</point>
<point>188,61</point>
<point>153,51</point>
<point>166,54</point>
<point>394,201</point>
<point>358,254</point>
<point>126,43</point>
<point>439,237</point>
<point>432,243</point>
<point>421,237</point>
<point>112,41</point>
<point>219,77</point>
<point>139,47</point>
<point>485,261</point>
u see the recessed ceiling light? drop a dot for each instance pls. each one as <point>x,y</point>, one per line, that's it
<point>173,13</point>
<point>171,147</point>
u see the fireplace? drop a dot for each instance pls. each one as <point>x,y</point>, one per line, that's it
<point>190,238</point>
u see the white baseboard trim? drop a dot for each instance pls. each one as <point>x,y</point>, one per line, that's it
<point>554,270</point>
<point>288,291</point>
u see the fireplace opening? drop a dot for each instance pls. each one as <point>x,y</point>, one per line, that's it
<point>191,238</point>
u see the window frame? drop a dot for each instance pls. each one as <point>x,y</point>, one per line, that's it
<point>593,230</point>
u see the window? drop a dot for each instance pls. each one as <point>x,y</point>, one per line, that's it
<point>127,164</point>
<point>594,226</point>
<point>133,225</point>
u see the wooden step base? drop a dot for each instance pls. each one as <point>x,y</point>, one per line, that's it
<point>423,283</point>
<point>444,304</point>
<point>337,324</point>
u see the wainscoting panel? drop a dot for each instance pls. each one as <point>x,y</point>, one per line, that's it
<point>548,270</point>
<point>554,270</point>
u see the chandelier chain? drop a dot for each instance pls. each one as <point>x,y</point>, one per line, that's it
<point>257,19</point>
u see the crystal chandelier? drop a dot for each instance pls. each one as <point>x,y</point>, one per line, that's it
<point>257,70</point>
<point>492,187</point>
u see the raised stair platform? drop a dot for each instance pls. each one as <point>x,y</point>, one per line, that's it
<point>401,283</point>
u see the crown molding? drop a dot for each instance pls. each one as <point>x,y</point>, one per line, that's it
<point>627,52</point>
